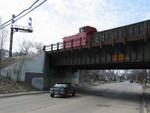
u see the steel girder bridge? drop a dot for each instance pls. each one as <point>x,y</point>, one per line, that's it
<point>126,47</point>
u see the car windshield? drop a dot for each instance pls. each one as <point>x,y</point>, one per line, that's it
<point>60,85</point>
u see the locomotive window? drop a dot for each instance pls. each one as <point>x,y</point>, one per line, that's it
<point>83,29</point>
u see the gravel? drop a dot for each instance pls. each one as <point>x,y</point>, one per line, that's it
<point>10,86</point>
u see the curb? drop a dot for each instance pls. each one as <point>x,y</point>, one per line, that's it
<point>144,105</point>
<point>22,93</point>
<point>145,110</point>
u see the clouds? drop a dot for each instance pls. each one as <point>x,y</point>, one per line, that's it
<point>56,19</point>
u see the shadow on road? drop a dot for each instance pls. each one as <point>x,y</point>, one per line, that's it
<point>115,94</point>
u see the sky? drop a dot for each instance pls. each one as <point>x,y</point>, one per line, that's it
<point>56,19</point>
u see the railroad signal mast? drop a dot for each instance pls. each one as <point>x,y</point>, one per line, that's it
<point>25,29</point>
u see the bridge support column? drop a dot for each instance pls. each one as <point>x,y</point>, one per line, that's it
<point>54,76</point>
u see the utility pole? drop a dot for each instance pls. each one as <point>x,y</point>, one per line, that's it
<point>11,42</point>
<point>14,29</point>
<point>11,36</point>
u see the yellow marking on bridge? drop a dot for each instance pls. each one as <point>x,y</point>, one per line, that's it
<point>118,57</point>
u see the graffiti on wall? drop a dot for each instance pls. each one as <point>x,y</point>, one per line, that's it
<point>36,79</point>
<point>30,76</point>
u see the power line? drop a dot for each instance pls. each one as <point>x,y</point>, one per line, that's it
<point>20,13</point>
<point>28,8</point>
<point>5,26</point>
<point>31,10</point>
<point>9,21</point>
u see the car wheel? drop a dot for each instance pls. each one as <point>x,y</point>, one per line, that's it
<point>52,95</point>
<point>73,94</point>
<point>66,94</point>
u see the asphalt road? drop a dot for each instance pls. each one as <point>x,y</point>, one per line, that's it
<point>123,97</point>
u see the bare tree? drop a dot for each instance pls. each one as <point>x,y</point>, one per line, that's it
<point>101,75</point>
<point>138,75</point>
<point>28,47</point>
<point>25,48</point>
<point>38,46</point>
<point>3,36</point>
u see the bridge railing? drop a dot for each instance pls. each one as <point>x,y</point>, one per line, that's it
<point>66,44</point>
<point>55,46</point>
<point>75,42</point>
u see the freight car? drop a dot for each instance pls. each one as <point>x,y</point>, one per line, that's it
<point>89,35</point>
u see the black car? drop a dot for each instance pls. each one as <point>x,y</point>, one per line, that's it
<point>63,89</point>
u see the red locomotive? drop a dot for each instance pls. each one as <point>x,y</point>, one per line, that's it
<point>81,38</point>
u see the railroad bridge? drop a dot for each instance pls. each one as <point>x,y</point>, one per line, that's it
<point>126,47</point>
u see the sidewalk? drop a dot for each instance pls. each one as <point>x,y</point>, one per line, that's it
<point>22,93</point>
<point>147,99</point>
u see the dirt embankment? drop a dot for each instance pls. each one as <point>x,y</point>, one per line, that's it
<point>10,86</point>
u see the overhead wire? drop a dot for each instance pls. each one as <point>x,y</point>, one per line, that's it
<point>5,26</point>
<point>20,13</point>
<point>7,23</point>
<point>31,10</point>
<point>28,8</point>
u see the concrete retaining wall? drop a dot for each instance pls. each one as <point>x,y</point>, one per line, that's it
<point>17,71</point>
<point>35,71</point>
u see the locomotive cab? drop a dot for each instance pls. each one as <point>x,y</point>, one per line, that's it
<point>87,29</point>
<point>81,38</point>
